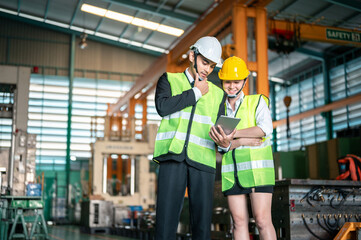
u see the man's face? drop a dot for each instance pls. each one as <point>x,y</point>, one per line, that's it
<point>204,65</point>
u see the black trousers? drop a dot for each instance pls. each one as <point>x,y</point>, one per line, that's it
<point>172,181</point>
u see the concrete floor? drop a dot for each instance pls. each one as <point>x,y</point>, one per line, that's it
<point>66,232</point>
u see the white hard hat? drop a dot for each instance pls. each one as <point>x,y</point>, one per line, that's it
<point>209,47</point>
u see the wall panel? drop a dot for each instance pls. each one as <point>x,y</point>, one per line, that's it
<point>50,50</point>
<point>99,56</point>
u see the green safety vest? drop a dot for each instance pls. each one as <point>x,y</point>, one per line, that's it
<point>254,164</point>
<point>172,133</point>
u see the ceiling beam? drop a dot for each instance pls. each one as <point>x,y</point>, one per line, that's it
<point>102,19</point>
<point>75,12</point>
<point>153,10</point>
<point>351,4</point>
<point>128,26</point>
<point>208,24</point>
<point>19,6</point>
<point>177,5</point>
<point>284,7</point>
<point>153,32</point>
<point>46,9</point>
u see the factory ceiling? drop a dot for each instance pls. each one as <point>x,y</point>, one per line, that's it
<point>152,26</point>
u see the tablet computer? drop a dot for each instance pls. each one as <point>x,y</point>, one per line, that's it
<point>228,124</point>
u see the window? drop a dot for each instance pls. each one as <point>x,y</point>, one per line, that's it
<point>307,92</point>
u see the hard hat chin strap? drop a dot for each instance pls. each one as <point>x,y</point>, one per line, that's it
<point>196,53</point>
<point>235,95</point>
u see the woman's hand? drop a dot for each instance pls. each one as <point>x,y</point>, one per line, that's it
<point>219,137</point>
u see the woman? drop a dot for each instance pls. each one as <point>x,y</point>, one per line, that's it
<point>247,164</point>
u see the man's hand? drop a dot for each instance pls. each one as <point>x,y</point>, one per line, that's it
<point>201,85</point>
<point>219,137</point>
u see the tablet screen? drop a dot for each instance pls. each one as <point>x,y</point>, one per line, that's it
<point>228,124</point>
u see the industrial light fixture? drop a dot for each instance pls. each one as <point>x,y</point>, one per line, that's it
<point>83,44</point>
<point>132,20</point>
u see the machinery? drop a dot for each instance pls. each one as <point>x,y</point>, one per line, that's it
<point>21,215</point>
<point>301,209</point>
<point>19,159</point>
<point>120,181</point>
<point>314,209</point>
<point>97,215</point>
<point>119,169</point>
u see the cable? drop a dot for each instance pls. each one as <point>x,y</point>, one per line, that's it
<point>330,226</point>
<point>331,233</point>
<point>308,228</point>
<point>344,195</point>
<point>338,219</point>
<point>308,197</point>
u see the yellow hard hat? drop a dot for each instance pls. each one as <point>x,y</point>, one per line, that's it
<point>234,68</point>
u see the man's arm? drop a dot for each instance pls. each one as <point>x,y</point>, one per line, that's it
<point>167,104</point>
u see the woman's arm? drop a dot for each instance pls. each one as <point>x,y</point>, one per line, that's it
<point>245,142</point>
<point>252,132</point>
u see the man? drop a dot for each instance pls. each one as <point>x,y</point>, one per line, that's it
<point>189,105</point>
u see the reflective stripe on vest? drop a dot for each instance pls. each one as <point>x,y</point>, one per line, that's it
<point>254,164</point>
<point>182,136</point>
<point>173,130</point>
<point>187,115</point>
<point>248,165</point>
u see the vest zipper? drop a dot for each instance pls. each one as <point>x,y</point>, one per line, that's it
<point>189,127</point>
<point>235,164</point>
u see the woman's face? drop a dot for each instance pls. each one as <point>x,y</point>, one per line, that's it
<point>232,87</point>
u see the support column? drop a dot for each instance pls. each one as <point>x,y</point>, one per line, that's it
<point>70,107</point>
<point>239,29</point>
<point>327,94</point>
<point>262,84</point>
